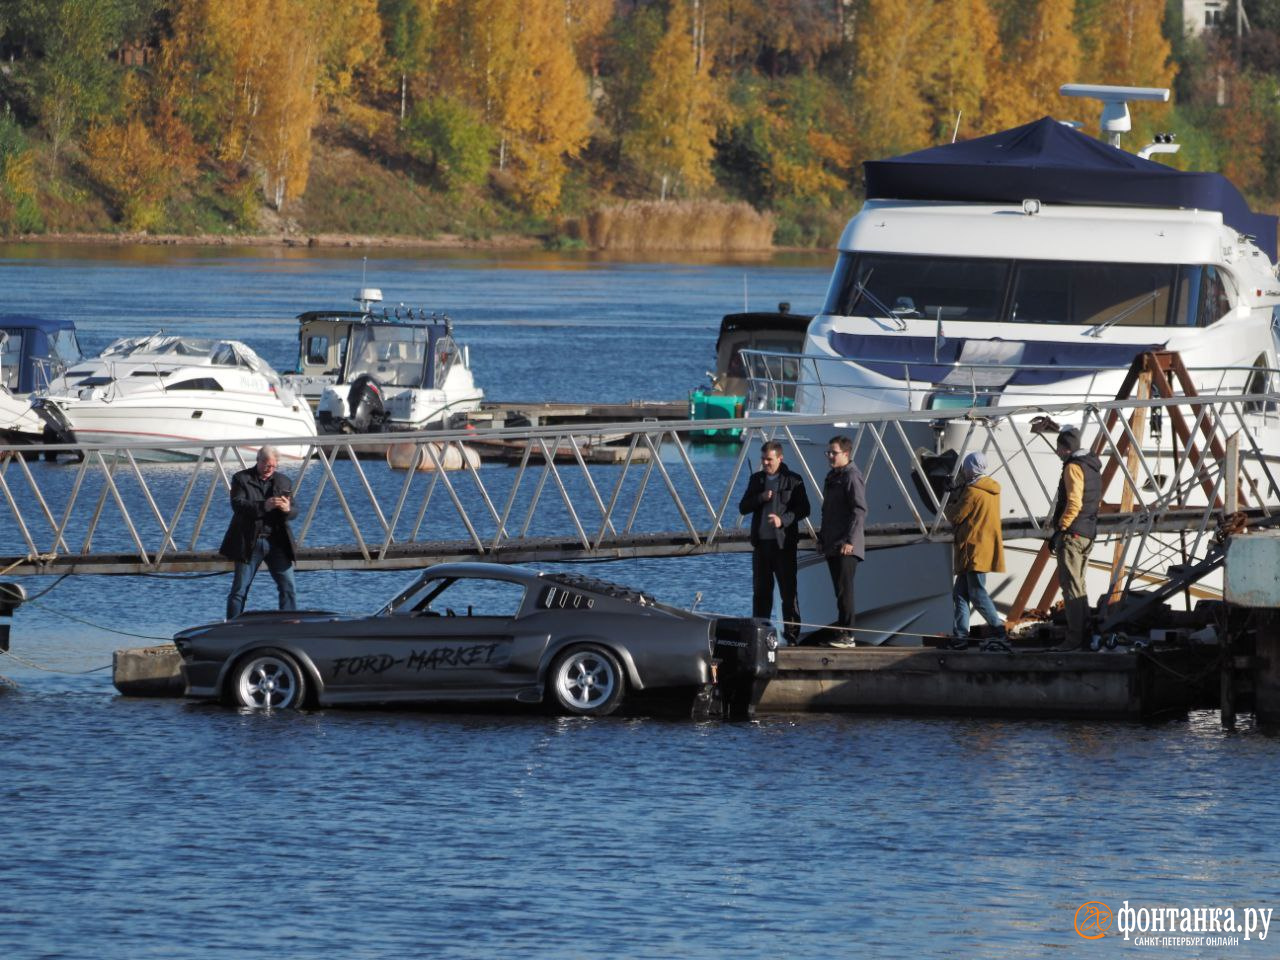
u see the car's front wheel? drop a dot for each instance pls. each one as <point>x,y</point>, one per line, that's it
<point>268,679</point>
<point>587,680</point>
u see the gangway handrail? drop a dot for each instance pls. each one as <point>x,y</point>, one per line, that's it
<point>660,491</point>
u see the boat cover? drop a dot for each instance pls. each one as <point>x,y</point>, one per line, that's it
<point>1054,163</point>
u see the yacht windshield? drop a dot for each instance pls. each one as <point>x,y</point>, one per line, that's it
<point>1027,291</point>
<point>392,354</point>
<point>963,289</point>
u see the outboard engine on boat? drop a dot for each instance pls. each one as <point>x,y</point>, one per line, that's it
<point>939,474</point>
<point>365,411</point>
<point>747,655</point>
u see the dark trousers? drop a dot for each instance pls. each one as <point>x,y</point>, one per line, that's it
<point>281,569</point>
<point>770,562</point>
<point>842,570</point>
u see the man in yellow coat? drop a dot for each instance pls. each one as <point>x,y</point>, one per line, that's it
<point>978,547</point>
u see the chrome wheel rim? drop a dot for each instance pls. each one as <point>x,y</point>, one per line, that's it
<point>585,680</point>
<point>267,682</point>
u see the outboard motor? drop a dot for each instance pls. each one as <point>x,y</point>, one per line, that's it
<point>938,471</point>
<point>364,401</point>
<point>748,654</point>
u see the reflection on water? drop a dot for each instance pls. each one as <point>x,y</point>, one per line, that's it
<point>137,829</point>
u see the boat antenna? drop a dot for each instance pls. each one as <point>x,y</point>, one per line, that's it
<point>1115,118</point>
<point>364,269</point>
<point>956,132</point>
<point>745,308</point>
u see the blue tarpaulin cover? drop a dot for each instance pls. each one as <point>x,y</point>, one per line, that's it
<point>1049,161</point>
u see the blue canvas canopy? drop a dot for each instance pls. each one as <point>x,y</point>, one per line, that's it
<point>1049,161</point>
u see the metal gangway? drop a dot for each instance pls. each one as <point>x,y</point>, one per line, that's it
<point>109,510</point>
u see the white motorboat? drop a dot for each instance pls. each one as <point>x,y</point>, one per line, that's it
<point>1027,267</point>
<point>162,389</point>
<point>400,375</point>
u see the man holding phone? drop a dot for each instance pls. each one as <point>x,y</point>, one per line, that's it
<point>261,508</point>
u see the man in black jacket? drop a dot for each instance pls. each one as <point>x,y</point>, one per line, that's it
<point>844,514</point>
<point>777,502</point>
<point>261,508</point>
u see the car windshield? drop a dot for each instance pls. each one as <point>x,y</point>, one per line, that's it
<point>460,596</point>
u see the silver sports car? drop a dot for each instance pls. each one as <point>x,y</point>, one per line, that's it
<point>486,632</point>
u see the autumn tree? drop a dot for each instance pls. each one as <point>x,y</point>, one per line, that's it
<point>967,43</point>
<point>588,22</point>
<point>1130,48</point>
<point>514,60</point>
<point>252,90</point>
<point>888,86</point>
<point>1046,55</point>
<point>673,125</point>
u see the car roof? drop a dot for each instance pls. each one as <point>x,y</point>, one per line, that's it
<point>476,568</point>
<point>517,573</point>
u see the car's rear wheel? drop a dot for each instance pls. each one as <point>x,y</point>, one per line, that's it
<point>588,681</point>
<point>268,679</point>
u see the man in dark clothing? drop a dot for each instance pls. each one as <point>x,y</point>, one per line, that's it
<point>844,515</point>
<point>1075,525</point>
<point>777,502</point>
<point>261,501</point>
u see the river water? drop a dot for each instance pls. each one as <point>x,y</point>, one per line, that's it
<point>136,828</point>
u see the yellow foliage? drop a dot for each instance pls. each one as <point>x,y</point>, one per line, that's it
<point>894,52</point>
<point>966,42</point>
<point>1046,57</point>
<point>1130,49</point>
<point>674,119</point>
<point>132,165</point>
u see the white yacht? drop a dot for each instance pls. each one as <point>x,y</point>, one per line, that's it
<point>163,389</point>
<point>1024,268</point>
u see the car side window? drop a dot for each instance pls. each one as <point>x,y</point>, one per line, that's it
<point>473,597</point>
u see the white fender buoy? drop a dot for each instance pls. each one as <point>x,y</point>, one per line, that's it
<point>414,456</point>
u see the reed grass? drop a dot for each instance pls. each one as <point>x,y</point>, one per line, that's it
<point>691,225</point>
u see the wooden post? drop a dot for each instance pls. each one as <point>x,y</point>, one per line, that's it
<point>1138,424</point>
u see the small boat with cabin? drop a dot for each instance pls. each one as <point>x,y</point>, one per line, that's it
<point>781,332</point>
<point>34,351</point>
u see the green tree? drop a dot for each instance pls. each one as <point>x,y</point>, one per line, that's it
<point>19,209</point>
<point>451,138</point>
<point>74,78</point>
<point>408,31</point>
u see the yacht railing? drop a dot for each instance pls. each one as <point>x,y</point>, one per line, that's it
<point>774,379</point>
